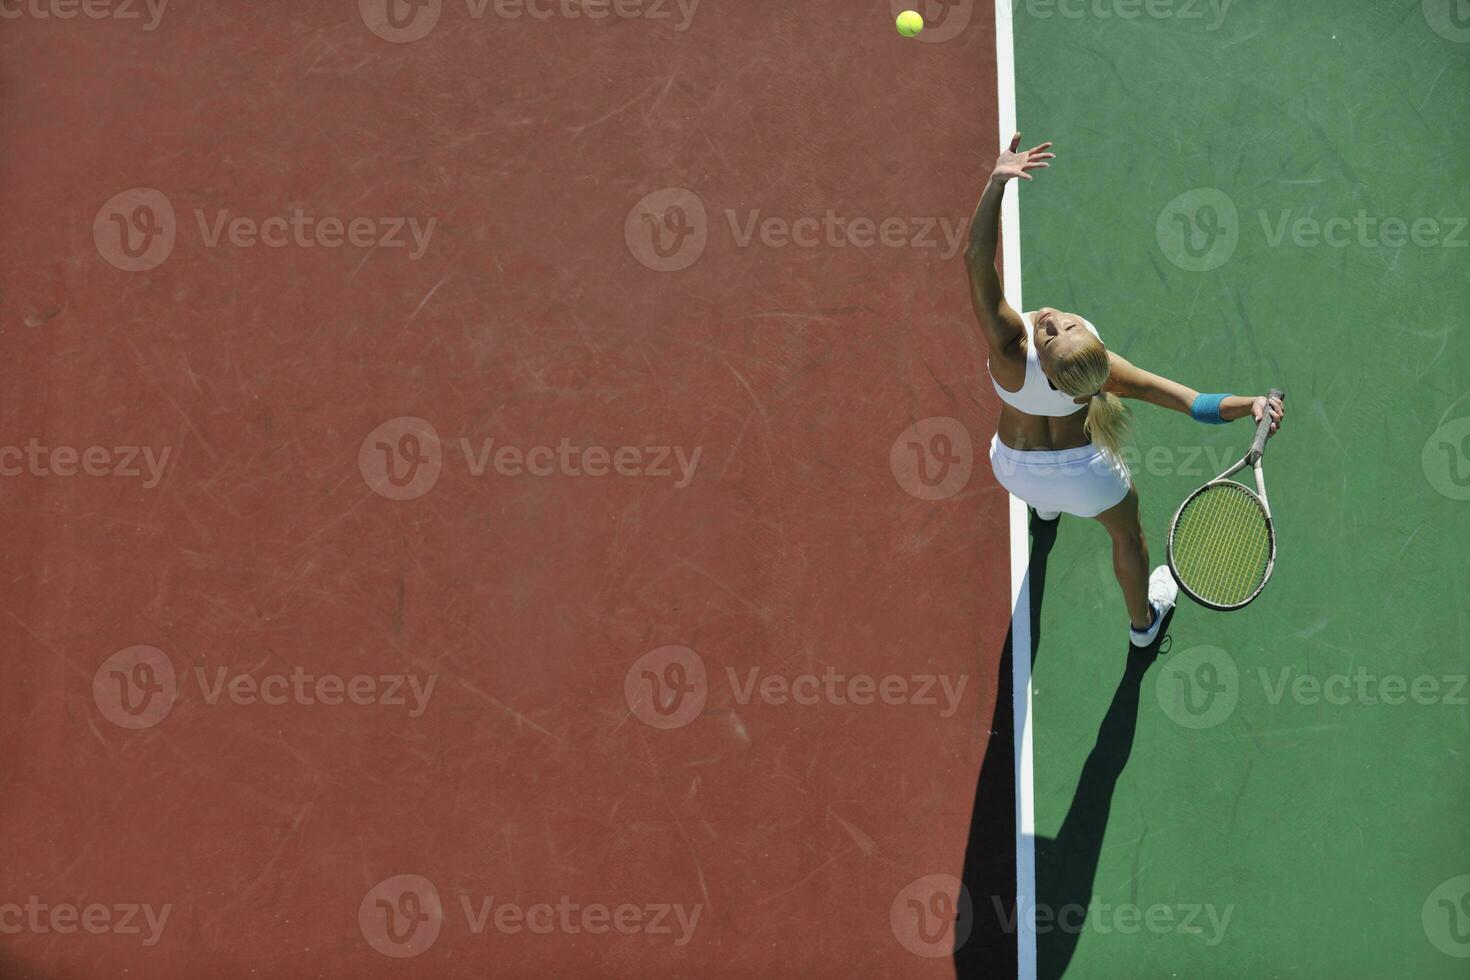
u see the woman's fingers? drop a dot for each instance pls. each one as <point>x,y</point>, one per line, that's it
<point>1015,142</point>
<point>1273,409</point>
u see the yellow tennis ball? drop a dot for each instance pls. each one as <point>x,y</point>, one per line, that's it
<point>910,23</point>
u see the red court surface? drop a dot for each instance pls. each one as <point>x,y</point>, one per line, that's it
<point>365,421</point>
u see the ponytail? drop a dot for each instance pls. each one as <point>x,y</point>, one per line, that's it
<point>1082,374</point>
<point>1107,422</point>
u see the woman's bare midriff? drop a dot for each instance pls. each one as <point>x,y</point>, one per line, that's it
<point>1030,433</point>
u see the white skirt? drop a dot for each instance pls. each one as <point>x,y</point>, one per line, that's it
<point>1083,482</point>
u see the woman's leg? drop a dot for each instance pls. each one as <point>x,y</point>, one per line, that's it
<point>1130,557</point>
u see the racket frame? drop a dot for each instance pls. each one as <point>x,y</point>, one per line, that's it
<point>1252,458</point>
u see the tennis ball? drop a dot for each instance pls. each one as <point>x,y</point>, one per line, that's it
<point>910,23</point>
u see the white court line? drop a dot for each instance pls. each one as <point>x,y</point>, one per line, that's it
<point>1010,226</point>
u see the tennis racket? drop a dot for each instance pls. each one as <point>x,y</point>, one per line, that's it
<point>1222,545</point>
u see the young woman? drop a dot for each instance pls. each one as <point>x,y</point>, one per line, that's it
<point>1061,419</point>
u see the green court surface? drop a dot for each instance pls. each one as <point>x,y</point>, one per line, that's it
<point>1277,197</point>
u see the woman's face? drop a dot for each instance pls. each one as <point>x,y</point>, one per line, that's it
<point>1055,334</point>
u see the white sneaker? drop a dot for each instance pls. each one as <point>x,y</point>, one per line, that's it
<point>1162,591</point>
<point>1047,515</point>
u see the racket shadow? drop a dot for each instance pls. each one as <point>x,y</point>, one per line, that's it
<point>1066,866</point>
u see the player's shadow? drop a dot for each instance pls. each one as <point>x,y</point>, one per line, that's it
<point>1067,864</point>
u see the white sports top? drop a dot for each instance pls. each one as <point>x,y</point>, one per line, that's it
<point>1037,395</point>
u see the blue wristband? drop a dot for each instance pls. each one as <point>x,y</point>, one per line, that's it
<point>1206,408</point>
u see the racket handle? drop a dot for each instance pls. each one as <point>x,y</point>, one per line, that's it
<point>1263,429</point>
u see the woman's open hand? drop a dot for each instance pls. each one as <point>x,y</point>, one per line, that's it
<point>1016,163</point>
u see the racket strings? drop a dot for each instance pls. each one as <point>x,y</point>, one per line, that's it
<point>1222,546</point>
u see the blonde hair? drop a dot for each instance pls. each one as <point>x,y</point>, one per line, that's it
<point>1082,372</point>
